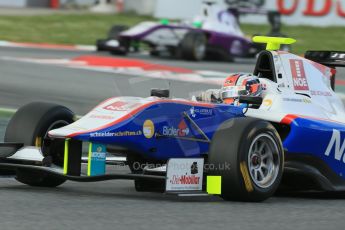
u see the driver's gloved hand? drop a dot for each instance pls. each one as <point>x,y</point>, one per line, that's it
<point>210,95</point>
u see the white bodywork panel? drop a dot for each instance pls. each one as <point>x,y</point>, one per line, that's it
<point>105,114</point>
<point>140,28</point>
<point>29,153</point>
<point>184,174</point>
<point>166,36</point>
<point>162,36</point>
<point>215,18</point>
<point>303,89</point>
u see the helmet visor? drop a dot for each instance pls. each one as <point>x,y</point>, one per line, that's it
<point>233,91</point>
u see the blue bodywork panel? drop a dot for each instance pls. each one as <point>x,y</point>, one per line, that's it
<point>322,139</point>
<point>173,132</point>
<point>165,130</point>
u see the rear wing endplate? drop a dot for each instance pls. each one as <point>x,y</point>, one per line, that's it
<point>331,59</point>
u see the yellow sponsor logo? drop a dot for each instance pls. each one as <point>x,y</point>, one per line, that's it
<point>307,101</point>
<point>148,129</point>
<point>267,102</point>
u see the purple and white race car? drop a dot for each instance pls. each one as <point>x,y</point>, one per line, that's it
<point>214,34</point>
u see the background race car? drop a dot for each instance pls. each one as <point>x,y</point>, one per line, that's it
<point>214,34</point>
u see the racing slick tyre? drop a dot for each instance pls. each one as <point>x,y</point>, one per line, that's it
<point>193,46</point>
<point>30,126</point>
<point>113,34</point>
<point>136,164</point>
<point>253,151</point>
<point>115,31</point>
<point>101,44</point>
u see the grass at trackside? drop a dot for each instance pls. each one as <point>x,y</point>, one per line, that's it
<point>6,114</point>
<point>308,37</point>
<point>62,28</point>
<point>86,28</point>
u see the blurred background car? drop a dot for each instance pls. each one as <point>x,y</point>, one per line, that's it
<point>214,34</point>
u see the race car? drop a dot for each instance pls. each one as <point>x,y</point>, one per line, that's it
<point>292,135</point>
<point>214,34</point>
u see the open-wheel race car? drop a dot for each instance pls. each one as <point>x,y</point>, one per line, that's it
<point>291,136</point>
<point>214,34</point>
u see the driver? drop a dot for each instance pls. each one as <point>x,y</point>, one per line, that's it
<point>234,86</point>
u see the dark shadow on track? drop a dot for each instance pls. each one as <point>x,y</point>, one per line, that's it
<point>92,191</point>
<point>312,195</point>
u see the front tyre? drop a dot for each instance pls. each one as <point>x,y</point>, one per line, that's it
<point>253,150</point>
<point>30,126</point>
<point>193,46</point>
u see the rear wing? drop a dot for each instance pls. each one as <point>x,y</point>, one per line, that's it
<point>331,59</point>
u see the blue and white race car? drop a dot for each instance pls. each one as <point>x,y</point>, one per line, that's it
<point>292,135</point>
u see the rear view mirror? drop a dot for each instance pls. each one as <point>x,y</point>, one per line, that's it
<point>250,100</point>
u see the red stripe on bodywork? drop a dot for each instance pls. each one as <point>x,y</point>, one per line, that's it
<point>288,119</point>
<point>139,109</point>
<point>124,62</point>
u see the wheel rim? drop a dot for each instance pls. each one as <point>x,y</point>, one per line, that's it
<point>199,49</point>
<point>263,160</point>
<point>55,125</point>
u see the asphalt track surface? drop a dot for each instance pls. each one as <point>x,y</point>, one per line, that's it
<point>115,204</point>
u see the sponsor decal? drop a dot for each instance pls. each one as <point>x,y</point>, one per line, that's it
<point>121,106</point>
<point>97,158</point>
<point>298,75</point>
<point>267,102</point>
<point>181,131</point>
<point>304,100</point>
<point>184,174</point>
<point>337,145</point>
<point>311,7</point>
<point>194,168</point>
<point>185,179</point>
<point>102,117</point>
<point>116,134</point>
<point>98,155</point>
<point>320,93</point>
<point>202,111</point>
<point>148,129</point>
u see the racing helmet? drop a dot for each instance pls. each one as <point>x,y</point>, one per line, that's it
<point>237,85</point>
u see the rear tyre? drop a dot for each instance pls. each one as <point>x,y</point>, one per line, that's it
<point>115,31</point>
<point>253,151</point>
<point>30,126</point>
<point>193,46</point>
<point>100,44</point>
<point>114,34</point>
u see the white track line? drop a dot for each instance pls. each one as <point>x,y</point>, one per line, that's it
<point>48,46</point>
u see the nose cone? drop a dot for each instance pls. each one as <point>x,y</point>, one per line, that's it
<point>105,115</point>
